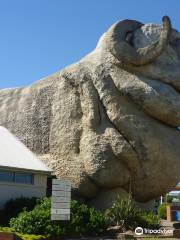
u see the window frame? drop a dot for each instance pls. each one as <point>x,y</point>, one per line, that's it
<point>15,174</point>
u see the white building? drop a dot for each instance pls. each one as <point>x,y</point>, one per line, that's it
<point>21,172</point>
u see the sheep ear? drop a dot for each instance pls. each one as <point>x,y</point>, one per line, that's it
<point>119,46</point>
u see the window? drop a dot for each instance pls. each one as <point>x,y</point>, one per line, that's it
<point>23,178</point>
<point>16,177</point>
<point>6,176</point>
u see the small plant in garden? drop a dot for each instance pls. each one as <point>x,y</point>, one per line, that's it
<point>126,214</point>
<point>169,198</point>
<point>149,220</point>
<point>123,213</point>
<point>162,211</point>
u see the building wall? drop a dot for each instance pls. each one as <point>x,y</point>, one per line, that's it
<point>14,190</point>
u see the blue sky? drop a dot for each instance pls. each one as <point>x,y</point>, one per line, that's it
<point>39,37</point>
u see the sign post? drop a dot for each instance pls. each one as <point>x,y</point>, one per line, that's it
<point>61,199</point>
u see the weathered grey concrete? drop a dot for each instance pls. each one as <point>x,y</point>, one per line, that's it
<point>107,123</point>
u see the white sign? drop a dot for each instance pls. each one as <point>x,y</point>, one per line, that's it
<point>61,197</point>
<point>61,187</point>
<point>61,217</point>
<point>61,194</point>
<point>65,205</point>
<point>60,211</point>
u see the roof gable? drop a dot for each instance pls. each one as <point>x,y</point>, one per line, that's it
<point>14,154</point>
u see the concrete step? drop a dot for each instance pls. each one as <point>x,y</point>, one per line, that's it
<point>165,223</point>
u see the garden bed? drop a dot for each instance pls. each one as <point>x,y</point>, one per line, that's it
<point>14,235</point>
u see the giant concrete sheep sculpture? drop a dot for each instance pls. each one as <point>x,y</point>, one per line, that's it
<point>109,122</point>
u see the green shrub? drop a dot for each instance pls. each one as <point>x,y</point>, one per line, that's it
<point>84,221</point>
<point>162,212</point>
<point>149,220</point>
<point>37,221</point>
<point>123,213</point>
<point>14,206</point>
<point>169,198</point>
<point>126,214</point>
